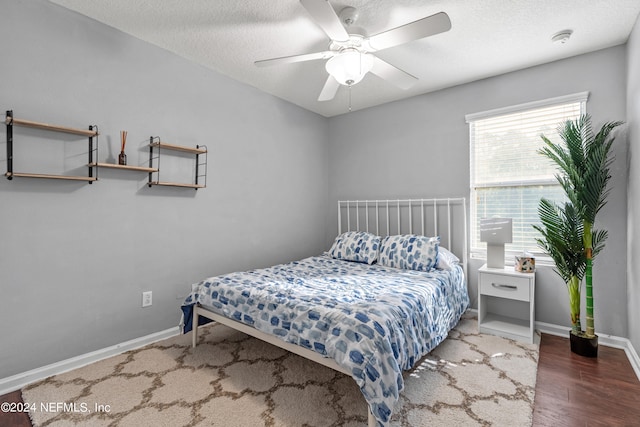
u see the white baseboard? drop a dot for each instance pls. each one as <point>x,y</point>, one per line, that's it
<point>16,382</point>
<point>632,355</point>
<point>603,339</point>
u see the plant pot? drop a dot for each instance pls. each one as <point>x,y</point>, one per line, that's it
<point>584,346</point>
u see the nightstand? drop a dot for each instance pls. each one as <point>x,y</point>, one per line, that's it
<point>506,303</point>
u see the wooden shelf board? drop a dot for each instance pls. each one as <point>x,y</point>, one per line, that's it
<point>45,126</point>
<point>125,167</point>
<point>176,184</point>
<point>164,145</point>
<point>37,175</point>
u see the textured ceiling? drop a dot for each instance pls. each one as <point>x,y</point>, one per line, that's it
<point>487,38</point>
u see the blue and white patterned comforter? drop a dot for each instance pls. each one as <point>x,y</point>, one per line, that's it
<point>372,320</point>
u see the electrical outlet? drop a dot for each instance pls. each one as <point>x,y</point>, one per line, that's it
<point>147,298</point>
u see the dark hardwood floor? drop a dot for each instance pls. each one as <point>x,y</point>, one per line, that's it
<point>573,390</point>
<point>13,419</point>
<point>570,390</point>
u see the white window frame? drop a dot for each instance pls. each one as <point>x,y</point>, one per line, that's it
<point>478,251</point>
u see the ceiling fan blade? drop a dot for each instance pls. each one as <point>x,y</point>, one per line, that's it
<point>392,74</point>
<point>329,90</point>
<point>295,58</point>
<point>326,18</point>
<point>425,27</point>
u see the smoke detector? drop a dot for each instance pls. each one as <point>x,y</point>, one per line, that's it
<point>348,16</point>
<point>561,37</point>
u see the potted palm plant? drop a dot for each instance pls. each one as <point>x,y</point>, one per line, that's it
<point>584,159</point>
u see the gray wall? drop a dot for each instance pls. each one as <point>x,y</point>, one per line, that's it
<point>76,257</point>
<point>633,232</point>
<point>420,147</point>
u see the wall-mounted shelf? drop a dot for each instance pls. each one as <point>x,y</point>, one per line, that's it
<point>174,147</point>
<point>124,167</point>
<point>45,126</point>
<point>176,184</point>
<point>47,176</point>
<point>91,133</point>
<point>200,165</point>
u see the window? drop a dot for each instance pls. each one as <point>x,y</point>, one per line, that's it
<point>508,175</point>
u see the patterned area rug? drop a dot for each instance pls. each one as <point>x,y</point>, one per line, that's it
<point>232,379</point>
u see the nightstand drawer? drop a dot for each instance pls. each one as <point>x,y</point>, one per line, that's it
<point>502,286</point>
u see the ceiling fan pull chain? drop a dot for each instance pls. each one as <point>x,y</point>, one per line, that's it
<point>350,97</point>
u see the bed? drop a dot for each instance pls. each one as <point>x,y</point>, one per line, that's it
<point>385,294</point>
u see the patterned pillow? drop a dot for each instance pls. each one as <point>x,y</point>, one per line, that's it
<point>409,252</point>
<point>358,246</point>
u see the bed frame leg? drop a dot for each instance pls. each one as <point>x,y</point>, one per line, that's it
<point>194,327</point>
<point>371,421</point>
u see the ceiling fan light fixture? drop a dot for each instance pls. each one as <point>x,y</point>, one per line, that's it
<point>349,66</point>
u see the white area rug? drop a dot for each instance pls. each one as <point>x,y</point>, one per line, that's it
<point>232,379</point>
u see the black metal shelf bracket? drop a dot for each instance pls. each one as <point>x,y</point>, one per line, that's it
<point>152,139</point>
<point>93,150</point>
<point>9,122</point>
<point>201,165</point>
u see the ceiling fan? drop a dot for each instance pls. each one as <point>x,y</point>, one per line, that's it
<point>350,56</point>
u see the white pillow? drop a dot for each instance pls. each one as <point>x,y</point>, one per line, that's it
<point>446,259</point>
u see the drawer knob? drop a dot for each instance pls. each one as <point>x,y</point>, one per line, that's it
<point>507,287</point>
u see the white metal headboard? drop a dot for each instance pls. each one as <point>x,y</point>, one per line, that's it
<point>446,218</point>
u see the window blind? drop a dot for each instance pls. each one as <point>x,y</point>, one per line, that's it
<point>508,175</point>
